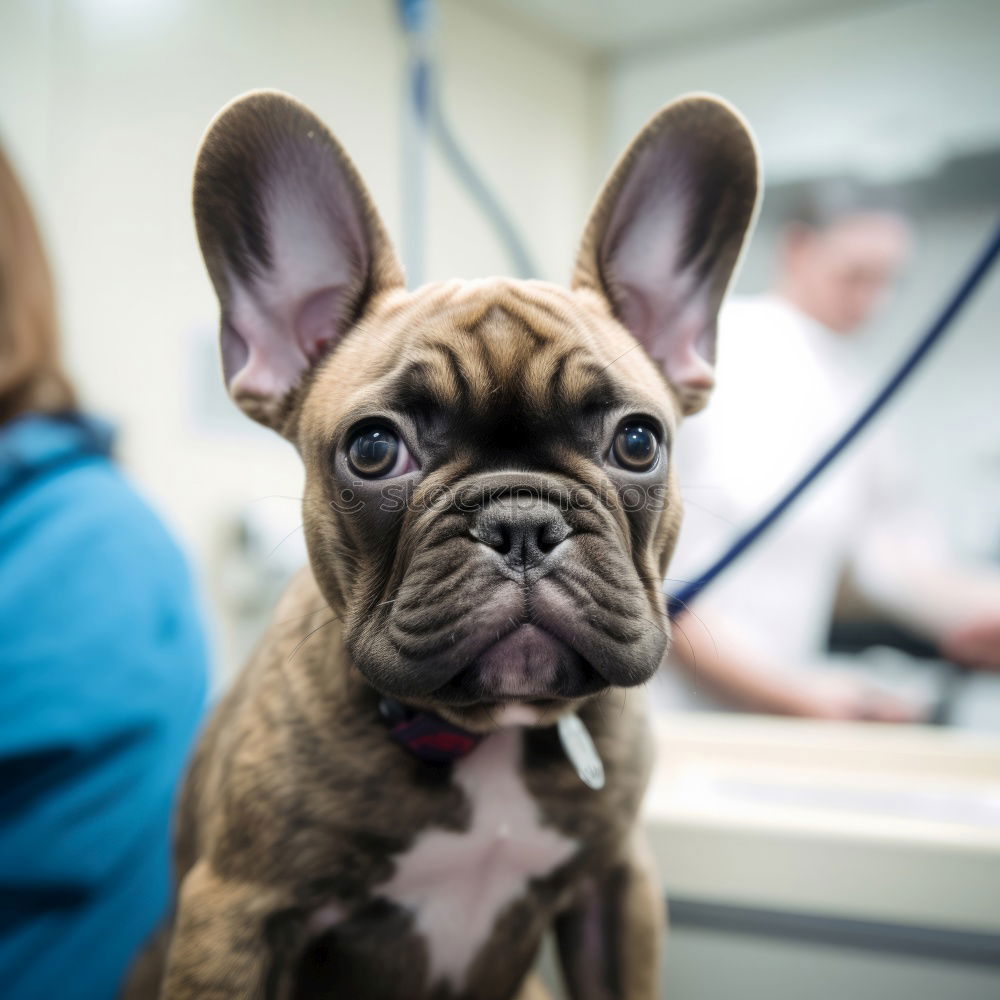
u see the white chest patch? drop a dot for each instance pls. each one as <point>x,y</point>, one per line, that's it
<point>456,884</point>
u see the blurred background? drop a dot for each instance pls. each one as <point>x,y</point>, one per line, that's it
<point>102,106</point>
<point>103,103</point>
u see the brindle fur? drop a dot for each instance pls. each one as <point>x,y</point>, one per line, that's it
<point>297,804</point>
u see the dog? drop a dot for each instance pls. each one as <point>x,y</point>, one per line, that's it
<point>435,755</point>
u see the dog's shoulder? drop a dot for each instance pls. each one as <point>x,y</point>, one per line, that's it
<point>618,723</point>
<point>295,771</point>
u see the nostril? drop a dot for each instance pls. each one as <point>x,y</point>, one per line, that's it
<point>496,536</point>
<point>501,540</point>
<point>551,534</point>
<point>522,538</point>
<point>545,543</point>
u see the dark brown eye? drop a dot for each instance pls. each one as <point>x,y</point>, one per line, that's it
<point>376,452</point>
<point>636,447</point>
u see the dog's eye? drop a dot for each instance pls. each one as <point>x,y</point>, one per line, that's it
<point>378,453</point>
<point>636,447</point>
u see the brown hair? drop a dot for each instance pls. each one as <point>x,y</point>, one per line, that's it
<point>31,375</point>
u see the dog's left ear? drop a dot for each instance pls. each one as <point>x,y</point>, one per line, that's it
<point>293,244</point>
<point>666,232</point>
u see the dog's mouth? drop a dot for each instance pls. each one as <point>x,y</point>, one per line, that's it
<point>528,665</point>
<point>502,642</point>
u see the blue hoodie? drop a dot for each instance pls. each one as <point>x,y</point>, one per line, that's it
<point>102,685</point>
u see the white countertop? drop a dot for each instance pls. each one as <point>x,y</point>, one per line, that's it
<point>871,822</point>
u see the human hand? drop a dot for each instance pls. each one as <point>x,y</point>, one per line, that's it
<point>975,642</point>
<point>832,695</point>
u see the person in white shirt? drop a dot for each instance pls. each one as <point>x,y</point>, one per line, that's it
<point>784,388</point>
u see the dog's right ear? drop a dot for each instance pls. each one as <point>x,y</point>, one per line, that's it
<point>292,242</point>
<point>666,232</point>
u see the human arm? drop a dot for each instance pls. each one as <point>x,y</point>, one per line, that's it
<point>714,656</point>
<point>904,568</point>
<point>101,684</point>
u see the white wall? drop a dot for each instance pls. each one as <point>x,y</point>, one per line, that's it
<point>888,91</point>
<point>103,103</point>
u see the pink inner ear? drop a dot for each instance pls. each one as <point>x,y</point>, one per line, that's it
<point>660,302</point>
<point>318,321</point>
<point>274,360</point>
<point>679,207</point>
<point>681,347</point>
<point>675,334</point>
<point>288,315</point>
<point>691,370</point>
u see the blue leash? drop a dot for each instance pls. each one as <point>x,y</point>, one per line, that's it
<point>978,271</point>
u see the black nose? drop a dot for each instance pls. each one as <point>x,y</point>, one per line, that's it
<point>523,530</point>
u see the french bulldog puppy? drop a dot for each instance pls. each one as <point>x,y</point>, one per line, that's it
<point>436,753</point>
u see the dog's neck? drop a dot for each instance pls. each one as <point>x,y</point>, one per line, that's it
<point>427,736</point>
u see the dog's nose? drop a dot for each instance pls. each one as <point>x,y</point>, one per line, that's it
<point>524,531</point>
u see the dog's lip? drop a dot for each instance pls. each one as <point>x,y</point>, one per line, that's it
<point>516,625</point>
<point>541,698</point>
<point>533,627</point>
<point>547,704</point>
<point>543,704</point>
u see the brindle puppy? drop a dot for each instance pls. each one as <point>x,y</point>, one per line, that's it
<point>489,510</point>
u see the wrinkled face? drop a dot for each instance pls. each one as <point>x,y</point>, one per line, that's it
<point>490,506</point>
<point>842,274</point>
<point>490,498</point>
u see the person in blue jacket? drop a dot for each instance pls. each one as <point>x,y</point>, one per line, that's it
<point>102,666</point>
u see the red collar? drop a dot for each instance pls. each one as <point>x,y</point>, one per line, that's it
<point>427,736</point>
